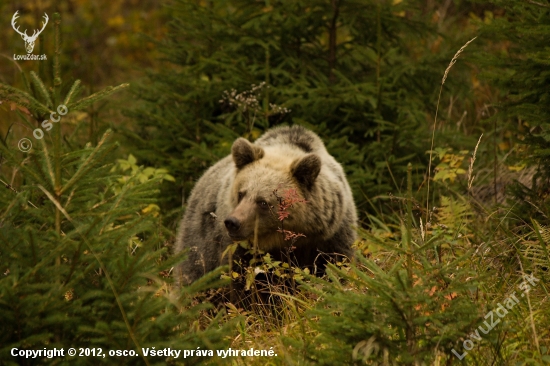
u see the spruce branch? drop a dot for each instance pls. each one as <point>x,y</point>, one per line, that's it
<point>73,92</point>
<point>13,203</point>
<point>103,268</point>
<point>87,101</point>
<point>26,82</point>
<point>32,173</point>
<point>49,164</point>
<point>88,164</point>
<point>43,91</point>
<point>57,47</point>
<point>23,99</point>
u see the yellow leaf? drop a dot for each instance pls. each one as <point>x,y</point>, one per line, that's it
<point>132,160</point>
<point>516,168</point>
<point>115,21</point>
<point>151,208</point>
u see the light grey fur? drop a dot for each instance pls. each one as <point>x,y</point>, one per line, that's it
<point>284,157</point>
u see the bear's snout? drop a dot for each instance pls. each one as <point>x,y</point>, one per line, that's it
<point>232,224</point>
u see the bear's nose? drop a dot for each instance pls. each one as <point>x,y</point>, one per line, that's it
<point>232,224</point>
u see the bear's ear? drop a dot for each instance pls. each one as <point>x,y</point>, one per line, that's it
<point>245,153</point>
<point>306,169</point>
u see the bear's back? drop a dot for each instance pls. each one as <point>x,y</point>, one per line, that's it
<point>296,136</point>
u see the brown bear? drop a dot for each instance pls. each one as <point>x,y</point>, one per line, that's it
<point>237,200</point>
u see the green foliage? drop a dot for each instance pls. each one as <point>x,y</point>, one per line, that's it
<point>141,173</point>
<point>351,71</point>
<point>520,69</point>
<point>424,291</point>
<point>376,314</point>
<point>73,276</point>
<point>450,165</point>
<point>84,256</point>
<point>403,312</point>
<point>81,254</point>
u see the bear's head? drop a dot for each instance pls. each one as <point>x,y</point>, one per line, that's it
<point>263,175</point>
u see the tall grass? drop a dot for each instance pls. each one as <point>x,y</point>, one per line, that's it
<point>489,256</point>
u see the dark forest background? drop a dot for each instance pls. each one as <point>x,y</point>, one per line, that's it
<point>438,111</point>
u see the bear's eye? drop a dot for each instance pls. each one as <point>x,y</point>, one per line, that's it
<point>263,204</point>
<point>240,196</point>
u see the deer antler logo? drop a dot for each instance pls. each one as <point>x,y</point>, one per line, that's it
<point>29,40</point>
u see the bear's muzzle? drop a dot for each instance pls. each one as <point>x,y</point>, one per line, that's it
<point>232,224</point>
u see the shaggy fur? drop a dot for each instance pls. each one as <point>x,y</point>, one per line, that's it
<point>238,190</point>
